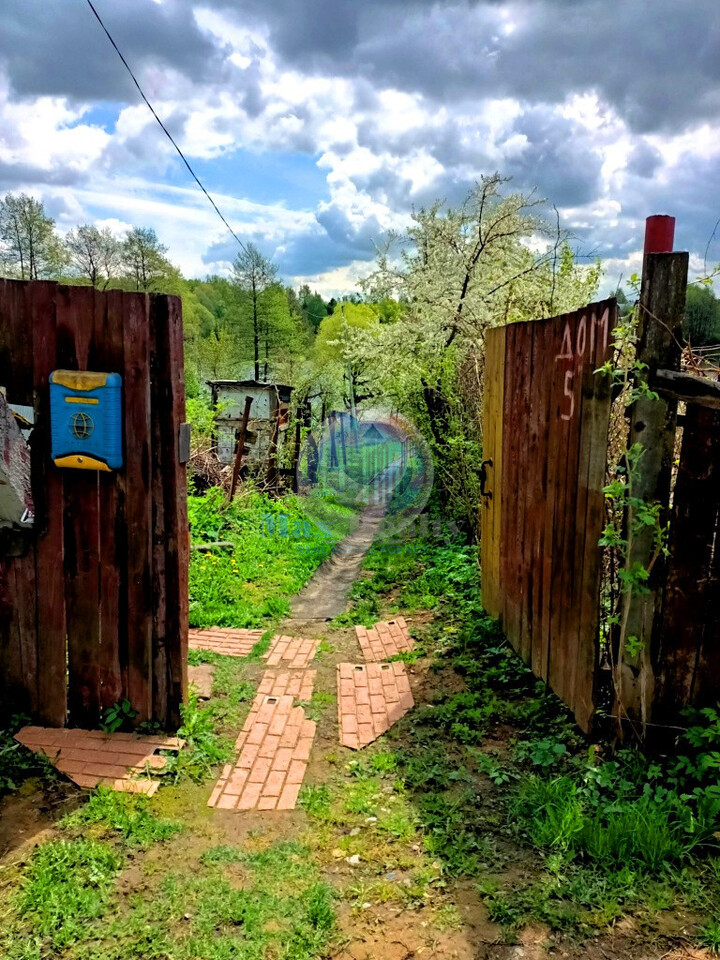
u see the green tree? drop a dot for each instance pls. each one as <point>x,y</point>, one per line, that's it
<point>457,273</point>
<point>144,260</point>
<point>253,274</point>
<point>95,255</point>
<point>342,369</point>
<point>313,307</point>
<point>702,316</point>
<point>30,249</point>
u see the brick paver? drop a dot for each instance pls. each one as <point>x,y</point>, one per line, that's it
<point>384,640</point>
<point>291,652</point>
<point>371,698</point>
<point>202,677</point>
<point>274,747</point>
<point>91,757</point>
<point>225,640</point>
<point>296,683</point>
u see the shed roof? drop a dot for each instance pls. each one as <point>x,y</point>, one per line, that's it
<point>253,384</point>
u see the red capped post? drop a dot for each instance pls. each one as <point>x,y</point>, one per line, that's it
<point>659,234</point>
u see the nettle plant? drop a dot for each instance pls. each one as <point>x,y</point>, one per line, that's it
<point>629,515</point>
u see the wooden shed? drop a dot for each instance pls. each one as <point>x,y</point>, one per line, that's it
<point>270,404</point>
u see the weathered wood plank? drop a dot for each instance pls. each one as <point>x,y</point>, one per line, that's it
<point>494,376</point>
<point>81,528</point>
<point>595,440</point>
<point>178,544</point>
<point>16,343</point>
<point>685,386</point>
<point>107,356</point>
<point>690,633</point>
<point>48,530</point>
<point>135,487</point>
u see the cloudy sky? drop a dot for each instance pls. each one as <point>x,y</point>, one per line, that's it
<point>318,125</point>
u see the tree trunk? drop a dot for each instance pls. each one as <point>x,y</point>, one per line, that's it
<point>256,333</point>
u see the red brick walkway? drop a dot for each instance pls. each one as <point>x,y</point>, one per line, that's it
<point>225,640</point>
<point>274,747</point>
<point>384,640</point>
<point>371,698</point>
<point>91,757</point>
<point>291,652</point>
<point>297,684</point>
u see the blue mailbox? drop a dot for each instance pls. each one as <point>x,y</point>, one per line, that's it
<point>86,419</point>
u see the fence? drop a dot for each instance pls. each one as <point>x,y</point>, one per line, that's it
<point>546,419</point>
<point>546,415</point>
<point>93,606</point>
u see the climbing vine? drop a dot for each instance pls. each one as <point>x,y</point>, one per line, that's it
<point>628,515</point>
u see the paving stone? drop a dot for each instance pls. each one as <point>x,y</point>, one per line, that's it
<point>273,749</point>
<point>384,640</point>
<point>91,757</point>
<point>297,683</point>
<point>296,652</point>
<point>225,640</point>
<point>371,698</point>
<point>202,677</point>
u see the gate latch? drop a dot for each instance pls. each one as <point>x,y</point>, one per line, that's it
<point>483,479</point>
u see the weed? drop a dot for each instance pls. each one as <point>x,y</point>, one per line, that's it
<point>17,763</point>
<point>222,854</point>
<point>120,716</point>
<point>317,705</point>
<point>122,813</point>
<point>540,753</point>
<point>710,936</point>
<point>316,801</point>
<point>384,762</point>
<point>248,585</point>
<point>497,773</point>
<point>204,748</point>
<point>67,883</point>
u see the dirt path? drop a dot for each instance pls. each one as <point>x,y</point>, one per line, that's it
<point>326,594</point>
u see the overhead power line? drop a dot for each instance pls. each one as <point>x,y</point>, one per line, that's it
<point>163,127</point>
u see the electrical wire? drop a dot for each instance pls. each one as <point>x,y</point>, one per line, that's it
<point>163,127</point>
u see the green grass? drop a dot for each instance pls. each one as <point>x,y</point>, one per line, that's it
<point>318,705</point>
<point>624,833</point>
<point>231,903</point>
<point>275,550</point>
<point>67,885</point>
<point>124,815</point>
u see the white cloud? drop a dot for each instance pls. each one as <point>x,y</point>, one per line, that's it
<point>421,126</point>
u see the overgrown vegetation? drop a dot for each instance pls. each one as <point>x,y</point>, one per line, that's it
<point>497,763</point>
<point>275,548</point>
<point>17,763</point>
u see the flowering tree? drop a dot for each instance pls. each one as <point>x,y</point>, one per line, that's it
<point>458,273</point>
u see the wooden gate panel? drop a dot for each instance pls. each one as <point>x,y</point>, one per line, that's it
<point>77,629</point>
<point>544,530</point>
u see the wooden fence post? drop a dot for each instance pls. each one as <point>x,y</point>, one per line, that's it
<point>240,447</point>
<point>652,427</point>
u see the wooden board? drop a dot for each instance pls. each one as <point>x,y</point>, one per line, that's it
<point>547,426</point>
<point>492,450</point>
<point>688,651</point>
